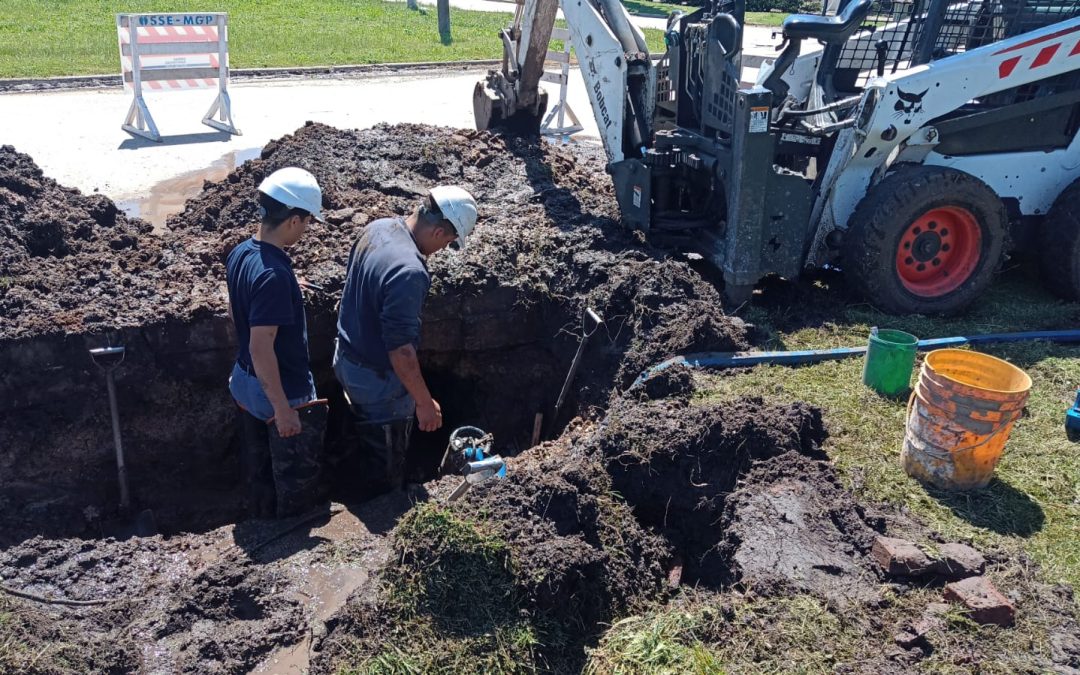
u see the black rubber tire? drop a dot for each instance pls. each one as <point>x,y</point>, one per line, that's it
<point>875,230</point>
<point>1059,244</point>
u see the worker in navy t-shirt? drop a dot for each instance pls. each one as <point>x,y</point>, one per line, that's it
<point>271,377</point>
<point>375,358</point>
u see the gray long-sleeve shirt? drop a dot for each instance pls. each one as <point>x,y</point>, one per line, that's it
<point>385,286</point>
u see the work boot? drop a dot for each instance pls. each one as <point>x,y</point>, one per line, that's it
<point>255,465</point>
<point>384,446</point>
<point>297,462</point>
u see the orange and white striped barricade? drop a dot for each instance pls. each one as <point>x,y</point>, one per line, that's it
<point>170,52</point>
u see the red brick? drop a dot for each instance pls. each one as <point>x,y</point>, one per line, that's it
<point>986,604</point>
<point>899,557</point>
<point>959,561</point>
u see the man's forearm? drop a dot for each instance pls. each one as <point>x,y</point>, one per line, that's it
<point>266,369</point>
<point>407,368</point>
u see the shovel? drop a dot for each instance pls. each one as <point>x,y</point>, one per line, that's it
<point>108,358</point>
<point>590,322</point>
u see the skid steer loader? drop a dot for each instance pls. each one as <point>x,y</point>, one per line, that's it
<point>913,143</point>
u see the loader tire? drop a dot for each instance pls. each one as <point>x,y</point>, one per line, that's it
<point>1059,244</point>
<point>925,240</point>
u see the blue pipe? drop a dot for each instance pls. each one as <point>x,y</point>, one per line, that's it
<point>802,357</point>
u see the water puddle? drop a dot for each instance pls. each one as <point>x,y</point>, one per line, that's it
<point>324,587</point>
<point>168,197</point>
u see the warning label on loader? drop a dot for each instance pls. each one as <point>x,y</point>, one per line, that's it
<point>759,120</point>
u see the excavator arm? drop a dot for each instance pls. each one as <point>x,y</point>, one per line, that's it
<point>615,65</point>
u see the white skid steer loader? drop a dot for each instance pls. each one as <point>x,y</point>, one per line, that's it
<point>913,143</point>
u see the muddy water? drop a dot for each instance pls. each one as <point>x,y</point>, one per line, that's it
<point>323,587</point>
<point>168,197</point>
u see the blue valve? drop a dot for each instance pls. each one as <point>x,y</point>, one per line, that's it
<point>1072,418</point>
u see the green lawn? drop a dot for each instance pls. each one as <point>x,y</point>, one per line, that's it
<point>662,9</point>
<point>1033,505</point>
<point>1029,512</point>
<point>78,37</point>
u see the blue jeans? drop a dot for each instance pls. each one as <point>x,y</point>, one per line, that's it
<point>377,397</point>
<point>247,391</point>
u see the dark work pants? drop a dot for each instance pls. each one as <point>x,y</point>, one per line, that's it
<point>383,448</point>
<point>283,474</point>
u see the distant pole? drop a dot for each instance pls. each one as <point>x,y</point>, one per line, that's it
<point>444,20</point>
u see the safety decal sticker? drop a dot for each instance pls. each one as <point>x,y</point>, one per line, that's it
<point>759,120</point>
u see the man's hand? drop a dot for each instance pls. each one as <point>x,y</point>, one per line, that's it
<point>429,416</point>
<point>407,368</point>
<point>287,422</point>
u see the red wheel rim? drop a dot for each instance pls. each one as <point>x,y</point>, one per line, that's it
<point>939,251</point>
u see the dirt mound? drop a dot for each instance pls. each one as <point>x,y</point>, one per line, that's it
<point>791,528</point>
<point>548,242</point>
<point>675,464</point>
<point>525,570</point>
<point>588,529</point>
<point>71,262</point>
<point>500,326</point>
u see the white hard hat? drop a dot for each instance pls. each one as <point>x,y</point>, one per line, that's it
<point>457,206</point>
<point>295,188</point>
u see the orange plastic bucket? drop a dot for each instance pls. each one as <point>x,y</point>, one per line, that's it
<point>960,415</point>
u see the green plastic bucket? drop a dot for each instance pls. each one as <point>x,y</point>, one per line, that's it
<point>890,358</point>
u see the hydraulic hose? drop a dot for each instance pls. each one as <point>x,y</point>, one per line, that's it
<point>804,357</point>
<point>620,26</point>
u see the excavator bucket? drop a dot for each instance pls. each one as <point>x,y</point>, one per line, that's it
<point>493,113</point>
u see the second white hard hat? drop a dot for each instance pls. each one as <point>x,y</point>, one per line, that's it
<point>457,206</point>
<point>295,188</point>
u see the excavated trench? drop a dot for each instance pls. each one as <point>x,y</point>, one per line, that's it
<point>500,326</point>
<point>634,491</point>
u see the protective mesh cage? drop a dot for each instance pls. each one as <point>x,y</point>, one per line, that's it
<point>901,34</point>
<point>711,88</point>
<point>665,93</point>
<point>720,105</point>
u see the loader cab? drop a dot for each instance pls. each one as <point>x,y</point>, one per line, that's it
<point>738,171</point>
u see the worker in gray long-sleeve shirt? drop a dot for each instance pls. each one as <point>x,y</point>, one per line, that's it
<point>378,331</point>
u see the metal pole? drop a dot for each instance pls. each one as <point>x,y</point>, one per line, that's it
<point>121,468</point>
<point>444,20</point>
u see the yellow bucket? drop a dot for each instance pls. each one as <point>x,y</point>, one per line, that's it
<point>960,416</point>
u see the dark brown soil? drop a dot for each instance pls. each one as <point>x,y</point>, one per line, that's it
<point>728,495</point>
<point>575,557</point>
<point>791,528</point>
<point>500,326</point>
<point>70,262</point>
<point>643,491</point>
<point>676,463</point>
<point>219,602</point>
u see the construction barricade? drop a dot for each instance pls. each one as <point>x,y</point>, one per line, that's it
<point>170,52</point>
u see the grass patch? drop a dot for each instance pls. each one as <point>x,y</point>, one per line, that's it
<point>78,37</point>
<point>765,18</point>
<point>712,633</point>
<point>1033,505</point>
<point>663,9</point>
<point>30,644</point>
<point>450,604</point>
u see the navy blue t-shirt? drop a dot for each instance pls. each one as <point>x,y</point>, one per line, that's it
<point>264,292</point>
<point>385,287</point>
